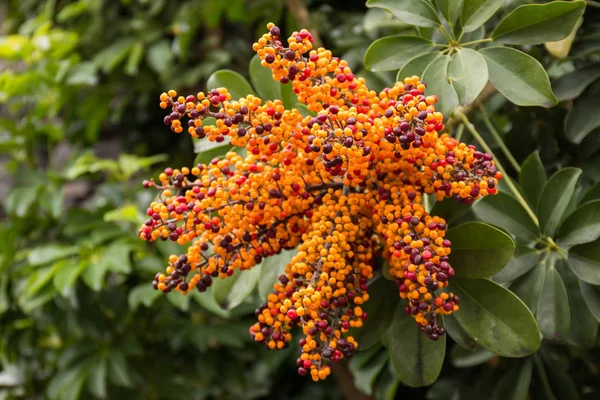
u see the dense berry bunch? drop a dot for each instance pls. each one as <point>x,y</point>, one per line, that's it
<point>344,186</point>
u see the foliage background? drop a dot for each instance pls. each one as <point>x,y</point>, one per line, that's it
<point>80,128</point>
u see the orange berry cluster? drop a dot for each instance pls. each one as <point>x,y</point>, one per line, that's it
<point>344,185</point>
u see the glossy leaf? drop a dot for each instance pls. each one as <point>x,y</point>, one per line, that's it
<point>464,358</point>
<point>515,383</point>
<point>395,52</point>
<point>539,23</point>
<point>243,287</point>
<point>519,77</point>
<point>469,74</point>
<point>458,334</point>
<point>142,294</point>
<point>272,268</point>
<point>450,9</point>
<point>523,260</point>
<point>583,119</point>
<point>416,66</point>
<point>383,300</point>
<point>364,377</point>
<point>479,250</point>
<point>555,199</point>
<point>476,12</point>
<point>416,358</point>
<point>582,226</point>
<point>592,194</point>
<point>572,84</point>
<point>529,286</point>
<point>267,88</point>
<point>591,295</point>
<point>67,275</point>
<point>222,287</point>
<point>505,211</point>
<point>436,76</point>
<point>533,178</point>
<point>237,85</point>
<point>450,209</point>
<point>412,12</point>
<point>497,319</point>
<point>585,262</point>
<point>552,313</point>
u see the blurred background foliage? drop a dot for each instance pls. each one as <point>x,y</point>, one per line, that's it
<point>80,128</point>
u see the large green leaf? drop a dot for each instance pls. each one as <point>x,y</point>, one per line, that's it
<point>365,375</point>
<point>591,295</point>
<point>50,252</point>
<point>585,262</point>
<point>237,85</point>
<point>96,382</point>
<point>572,84</point>
<point>395,52</point>
<point>267,88</point>
<point>479,250</point>
<point>519,77</point>
<point>514,384</point>
<point>524,259</point>
<point>506,212</point>
<point>539,23</point>
<point>552,312</point>
<point>555,199</point>
<point>583,119</point>
<point>469,74</point>
<point>436,76</point>
<point>450,209</point>
<point>272,268</point>
<point>458,334</point>
<point>416,66</point>
<point>582,226</point>
<point>242,287</point>
<point>450,9</point>
<point>533,178</point>
<point>412,12</point>
<point>497,319</point>
<point>118,370</point>
<point>467,358</point>
<point>383,300</point>
<point>584,326</point>
<point>222,287</point>
<point>416,358</point>
<point>476,12</point>
<point>592,194</point>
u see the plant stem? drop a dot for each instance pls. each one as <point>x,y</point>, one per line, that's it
<point>499,139</point>
<point>459,133</point>
<point>471,128</point>
<point>476,41</point>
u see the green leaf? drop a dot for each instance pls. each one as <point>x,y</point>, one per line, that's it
<point>539,23</point>
<point>582,119</point>
<point>519,77</point>
<point>114,54</point>
<point>416,358</point>
<point>51,252</point>
<point>466,358</point>
<point>458,334</point>
<point>450,9</point>
<point>262,80</point>
<point>96,383</point>
<point>20,199</point>
<point>582,226</point>
<point>476,12</point>
<point>67,275</point>
<point>84,73</point>
<point>272,268</point>
<point>118,371</point>
<point>533,178</point>
<point>383,300</point>
<point>438,83</point>
<point>555,199</point>
<point>67,385</point>
<point>529,286</point>
<point>387,383</point>
<point>584,326</point>
<point>416,66</point>
<point>159,56</point>
<point>395,52</point>
<point>515,383</point>
<point>135,56</point>
<point>142,294</point>
<point>469,74</point>
<point>524,259</point>
<point>552,312</point>
<point>474,242</point>
<point>592,194</point>
<point>450,209</point>
<point>572,84</point>
<point>505,211</point>
<point>237,85</point>
<point>497,319</point>
<point>242,287</point>
<point>585,262</point>
<point>364,377</point>
<point>412,12</point>
<point>591,295</point>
